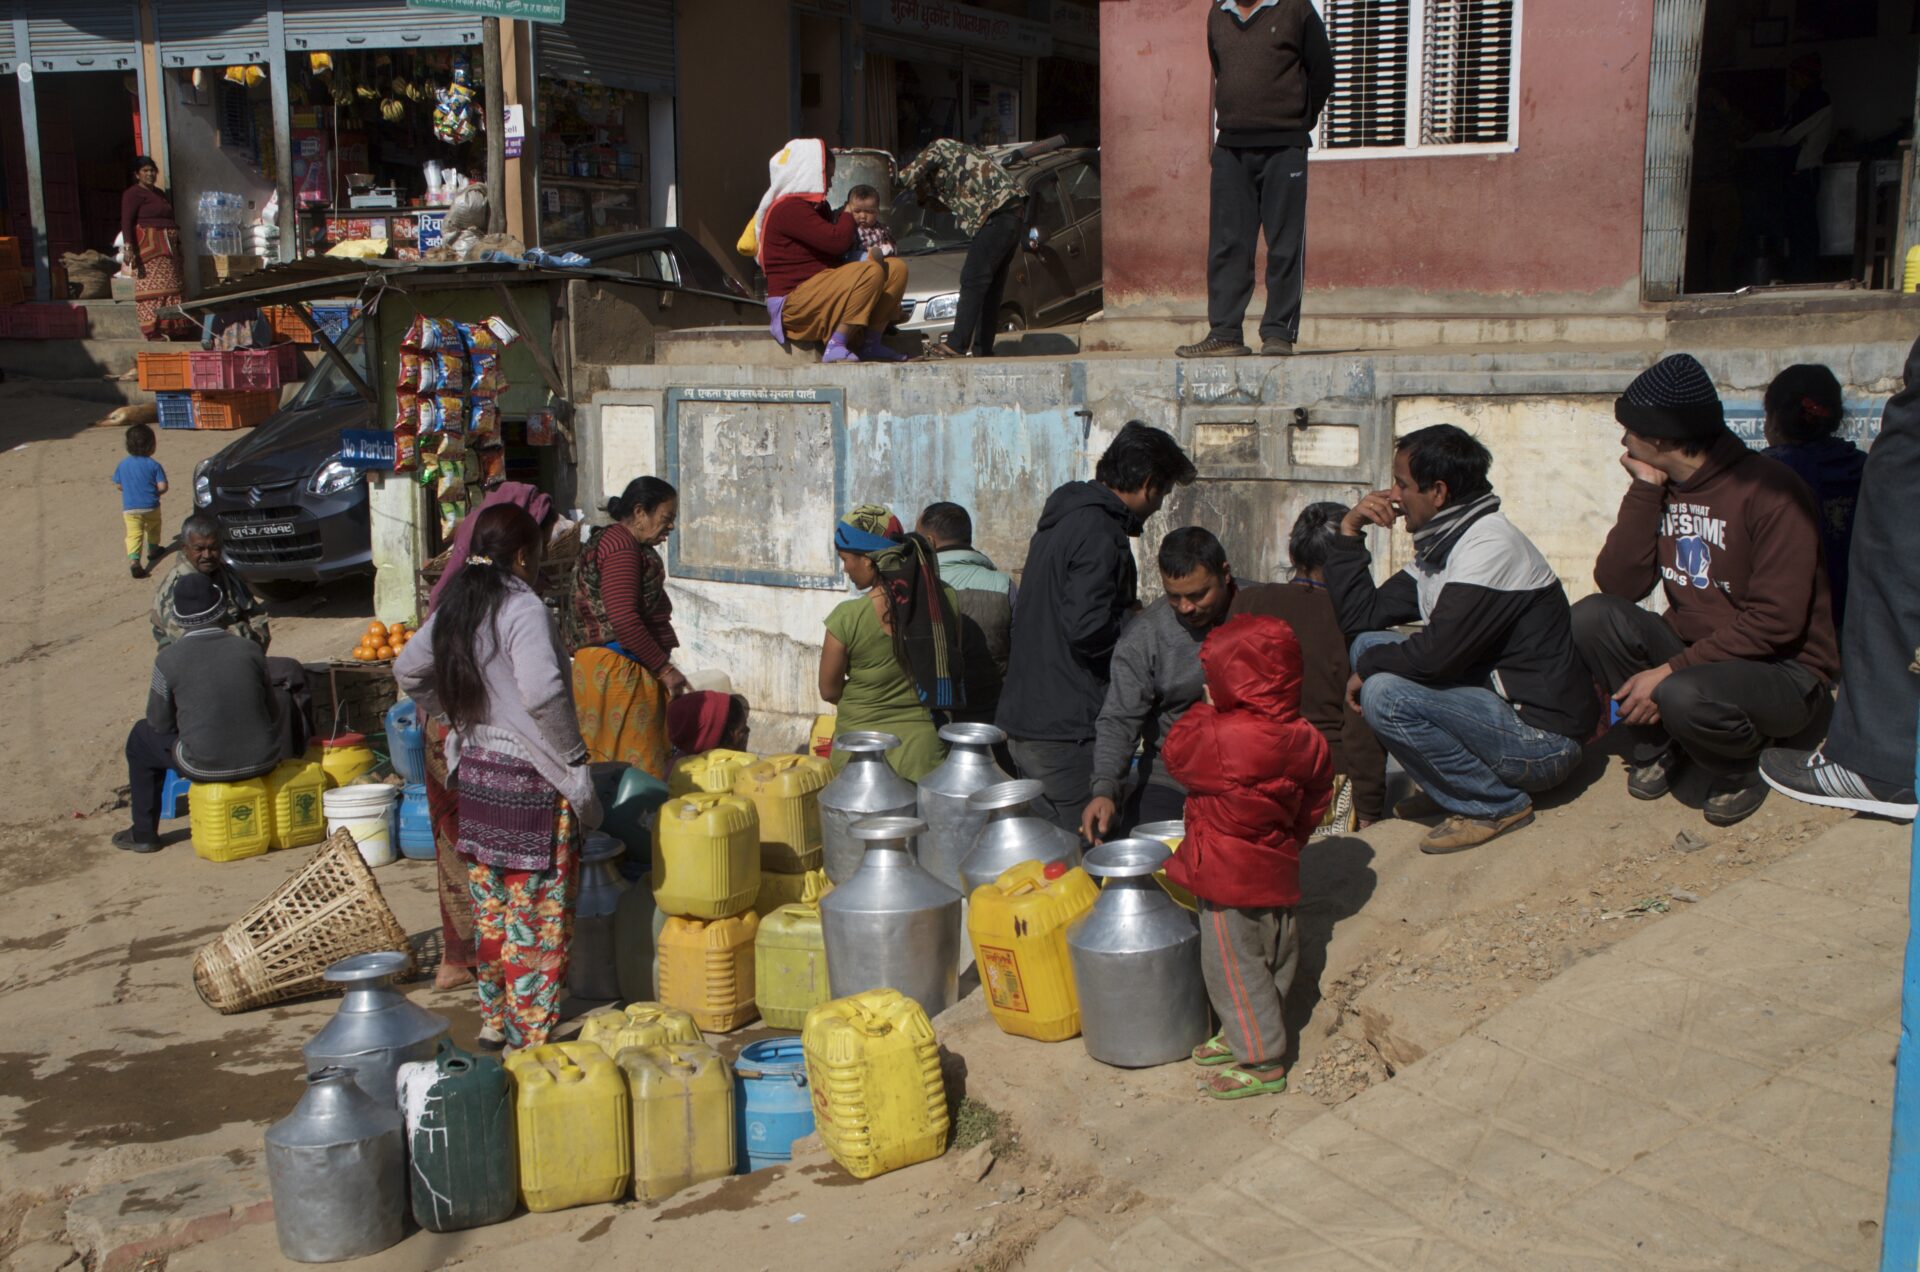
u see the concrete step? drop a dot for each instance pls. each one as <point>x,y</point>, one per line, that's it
<point>1151,333</point>
<point>111,319</point>
<point>754,347</point>
<point>71,359</point>
<point>104,389</point>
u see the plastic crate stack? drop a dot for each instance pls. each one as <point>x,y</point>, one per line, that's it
<point>218,389</point>
<point>50,320</point>
<point>288,325</point>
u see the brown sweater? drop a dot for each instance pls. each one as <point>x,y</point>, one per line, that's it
<point>1737,549</point>
<point>1323,685</point>
<point>1272,72</point>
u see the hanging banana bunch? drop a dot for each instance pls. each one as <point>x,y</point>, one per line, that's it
<point>392,109</point>
<point>320,63</point>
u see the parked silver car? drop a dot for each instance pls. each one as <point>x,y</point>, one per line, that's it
<point>1054,280</point>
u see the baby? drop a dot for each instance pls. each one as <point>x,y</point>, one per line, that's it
<point>863,205</point>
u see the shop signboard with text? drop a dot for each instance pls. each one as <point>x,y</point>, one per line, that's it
<point>512,10</point>
<point>959,24</point>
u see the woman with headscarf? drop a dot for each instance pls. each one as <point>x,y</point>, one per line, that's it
<point>619,625</point>
<point>151,244</point>
<point>892,657</point>
<point>801,244</point>
<point>443,802</point>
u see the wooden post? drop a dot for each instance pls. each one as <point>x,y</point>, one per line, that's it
<point>495,104</point>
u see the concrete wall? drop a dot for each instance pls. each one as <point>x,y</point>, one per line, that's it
<point>1554,226</point>
<point>735,102</point>
<point>765,455</point>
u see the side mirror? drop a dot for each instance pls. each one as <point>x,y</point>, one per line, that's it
<point>1035,239</point>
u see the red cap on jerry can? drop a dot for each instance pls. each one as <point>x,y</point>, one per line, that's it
<point>1055,869</point>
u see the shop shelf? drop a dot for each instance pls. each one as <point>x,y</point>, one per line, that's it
<point>176,409</point>
<point>233,410</point>
<point>164,372</point>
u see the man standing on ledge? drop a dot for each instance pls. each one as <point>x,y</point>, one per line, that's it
<point>1272,72</point>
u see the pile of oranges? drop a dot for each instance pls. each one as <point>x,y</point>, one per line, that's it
<point>381,643</point>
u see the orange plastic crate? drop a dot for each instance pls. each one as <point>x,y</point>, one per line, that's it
<point>233,410</point>
<point>287,324</point>
<point>163,372</point>
<point>9,254</point>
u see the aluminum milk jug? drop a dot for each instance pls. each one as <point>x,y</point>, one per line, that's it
<point>377,1028</point>
<point>593,970</point>
<point>457,1111</point>
<point>1012,834</point>
<point>952,822</point>
<point>893,925</point>
<point>635,924</point>
<point>338,1172</point>
<point>1136,962</point>
<point>1172,834</point>
<point>866,787</point>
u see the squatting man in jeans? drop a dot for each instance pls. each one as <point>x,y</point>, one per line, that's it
<point>1486,704</point>
<point>1745,653</point>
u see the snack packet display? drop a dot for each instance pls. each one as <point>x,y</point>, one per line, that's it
<point>427,335</point>
<point>540,428</point>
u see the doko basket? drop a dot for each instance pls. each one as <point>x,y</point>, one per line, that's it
<point>282,947</point>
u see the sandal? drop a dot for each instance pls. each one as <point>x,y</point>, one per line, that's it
<point>937,349</point>
<point>1238,1083</point>
<point>1213,1051</point>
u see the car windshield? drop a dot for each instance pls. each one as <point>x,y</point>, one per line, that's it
<point>915,233</point>
<point>328,382</point>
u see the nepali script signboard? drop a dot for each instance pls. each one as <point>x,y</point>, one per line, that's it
<point>960,24</point>
<point>522,10</point>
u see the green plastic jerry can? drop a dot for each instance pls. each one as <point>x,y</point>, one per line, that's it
<point>458,1115</point>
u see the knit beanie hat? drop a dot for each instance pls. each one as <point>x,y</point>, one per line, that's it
<point>1674,400</point>
<point>198,601</point>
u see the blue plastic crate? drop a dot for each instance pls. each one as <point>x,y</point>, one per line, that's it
<point>176,409</point>
<point>333,319</point>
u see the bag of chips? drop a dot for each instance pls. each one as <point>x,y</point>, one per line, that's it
<point>429,334</point>
<point>493,464</point>
<point>486,374</point>
<point>442,411</point>
<point>540,428</point>
<point>483,417</point>
<point>406,454</point>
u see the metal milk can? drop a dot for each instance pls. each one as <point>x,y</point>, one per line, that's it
<point>1012,834</point>
<point>952,824</point>
<point>893,925</point>
<point>1136,962</point>
<point>866,787</point>
<point>592,970</point>
<point>337,1167</point>
<point>377,1028</point>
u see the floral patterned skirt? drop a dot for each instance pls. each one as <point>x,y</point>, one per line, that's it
<point>622,709</point>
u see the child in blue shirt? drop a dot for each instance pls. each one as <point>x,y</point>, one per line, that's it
<point>141,481</point>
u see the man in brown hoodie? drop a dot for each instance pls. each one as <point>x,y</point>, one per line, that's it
<point>1745,654</point>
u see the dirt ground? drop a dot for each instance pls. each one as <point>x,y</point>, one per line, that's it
<point>113,1068</point>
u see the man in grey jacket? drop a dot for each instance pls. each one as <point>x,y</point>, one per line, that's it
<point>986,604</point>
<point>1156,677</point>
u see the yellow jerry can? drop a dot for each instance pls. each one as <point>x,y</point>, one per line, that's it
<point>711,771</point>
<point>879,1101</point>
<point>681,1096</point>
<point>790,965</point>
<point>614,1029</point>
<point>570,1104</point>
<point>785,790</point>
<point>1018,927</point>
<point>230,820</point>
<point>777,888</point>
<point>820,737</point>
<point>1172,834</point>
<point>294,790</point>
<point>706,856</point>
<point>706,969</point>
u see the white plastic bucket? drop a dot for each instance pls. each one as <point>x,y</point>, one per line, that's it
<point>365,811</point>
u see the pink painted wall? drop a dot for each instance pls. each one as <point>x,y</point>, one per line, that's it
<point>1554,225</point>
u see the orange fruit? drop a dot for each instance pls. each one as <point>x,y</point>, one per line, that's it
<point>360,653</point>
<point>376,628</point>
<point>383,653</point>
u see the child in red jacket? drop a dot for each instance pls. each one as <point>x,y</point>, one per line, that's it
<point>1258,778</point>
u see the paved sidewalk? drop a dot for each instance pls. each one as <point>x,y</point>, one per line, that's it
<point>1713,1092</point>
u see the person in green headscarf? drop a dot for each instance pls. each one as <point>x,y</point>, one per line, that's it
<point>892,657</point>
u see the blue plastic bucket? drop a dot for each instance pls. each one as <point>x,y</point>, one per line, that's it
<point>775,1107</point>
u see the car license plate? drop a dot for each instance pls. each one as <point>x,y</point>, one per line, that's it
<point>264,530</point>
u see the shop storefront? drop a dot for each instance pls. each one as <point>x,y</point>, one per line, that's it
<point>1067,96</point>
<point>935,68</point>
<point>69,134</point>
<point>604,119</point>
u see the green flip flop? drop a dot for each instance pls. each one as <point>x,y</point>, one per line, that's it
<point>1213,1051</point>
<point>1237,1083</point>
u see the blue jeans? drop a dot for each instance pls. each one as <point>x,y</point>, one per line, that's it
<point>1464,745</point>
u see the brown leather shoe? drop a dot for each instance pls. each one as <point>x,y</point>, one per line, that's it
<point>1214,347</point>
<point>1457,834</point>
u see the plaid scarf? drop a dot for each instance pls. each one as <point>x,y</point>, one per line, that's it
<point>926,635</point>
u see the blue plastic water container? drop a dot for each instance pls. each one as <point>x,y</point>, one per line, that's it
<point>416,824</point>
<point>774,1107</point>
<point>407,742</point>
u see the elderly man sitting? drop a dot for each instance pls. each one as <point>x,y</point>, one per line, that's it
<point>200,545</point>
<point>211,713</point>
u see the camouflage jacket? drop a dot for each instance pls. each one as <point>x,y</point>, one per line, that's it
<point>966,178</point>
<point>245,615</point>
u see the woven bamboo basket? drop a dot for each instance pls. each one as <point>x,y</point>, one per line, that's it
<point>280,949</point>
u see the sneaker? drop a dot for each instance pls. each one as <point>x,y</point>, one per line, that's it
<point>1417,807</point>
<point>1275,347</point>
<point>1653,779</point>
<point>1214,347</point>
<point>1812,778</point>
<point>1457,833</point>
<point>131,840</point>
<point>1734,799</point>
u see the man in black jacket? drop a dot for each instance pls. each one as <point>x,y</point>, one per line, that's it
<point>1489,701</point>
<point>1075,594</point>
<point>1272,72</point>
